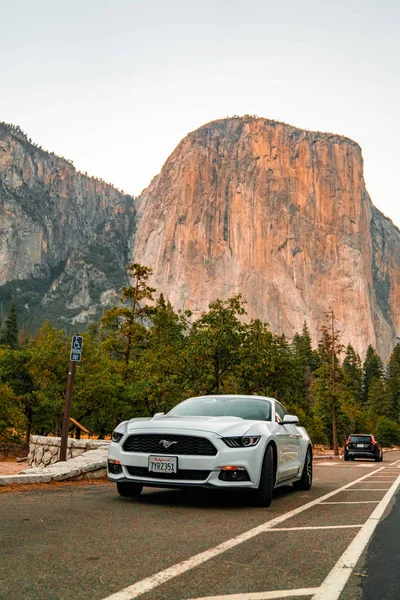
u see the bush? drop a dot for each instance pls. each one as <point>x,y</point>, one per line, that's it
<point>387,432</point>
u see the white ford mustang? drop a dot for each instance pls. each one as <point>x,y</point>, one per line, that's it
<point>215,442</point>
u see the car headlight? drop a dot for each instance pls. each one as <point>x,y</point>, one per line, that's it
<point>242,442</point>
<point>116,436</point>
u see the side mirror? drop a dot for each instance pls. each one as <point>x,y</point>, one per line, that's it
<point>287,419</point>
<point>160,414</point>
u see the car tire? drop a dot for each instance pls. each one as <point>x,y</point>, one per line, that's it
<point>378,458</point>
<point>346,458</point>
<point>305,482</point>
<point>129,490</point>
<point>263,495</point>
<point>382,457</point>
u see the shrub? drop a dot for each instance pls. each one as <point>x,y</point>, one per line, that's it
<point>387,432</point>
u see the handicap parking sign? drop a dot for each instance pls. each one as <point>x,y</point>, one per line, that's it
<point>76,348</point>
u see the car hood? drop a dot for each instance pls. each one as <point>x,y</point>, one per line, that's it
<point>222,426</point>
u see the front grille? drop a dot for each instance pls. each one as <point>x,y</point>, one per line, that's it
<point>182,474</point>
<point>151,443</point>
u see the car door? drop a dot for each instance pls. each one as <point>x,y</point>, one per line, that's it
<point>289,441</point>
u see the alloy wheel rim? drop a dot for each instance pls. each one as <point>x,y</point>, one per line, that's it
<point>309,467</point>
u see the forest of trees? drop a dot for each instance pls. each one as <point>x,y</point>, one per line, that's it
<point>143,357</point>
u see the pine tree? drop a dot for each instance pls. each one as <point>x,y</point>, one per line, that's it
<point>352,374</point>
<point>128,320</point>
<point>9,330</point>
<point>372,369</point>
<point>308,359</point>
<point>328,376</point>
<point>393,383</point>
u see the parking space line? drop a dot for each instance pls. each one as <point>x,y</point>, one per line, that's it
<point>389,476</point>
<point>368,490</point>
<point>334,583</point>
<point>359,502</point>
<point>273,595</point>
<point>153,581</point>
<point>311,527</point>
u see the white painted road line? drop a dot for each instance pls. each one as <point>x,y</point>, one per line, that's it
<point>274,595</point>
<point>149,583</point>
<point>368,490</point>
<point>333,585</point>
<point>360,502</point>
<point>311,527</point>
<point>389,477</point>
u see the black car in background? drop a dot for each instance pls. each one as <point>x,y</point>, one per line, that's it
<point>362,445</point>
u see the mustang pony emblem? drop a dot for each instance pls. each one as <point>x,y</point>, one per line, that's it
<point>167,443</point>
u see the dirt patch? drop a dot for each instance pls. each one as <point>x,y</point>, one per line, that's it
<point>10,467</point>
<point>51,486</point>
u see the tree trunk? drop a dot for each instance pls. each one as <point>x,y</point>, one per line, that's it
<point>334,431</point>
<point>28,433</point>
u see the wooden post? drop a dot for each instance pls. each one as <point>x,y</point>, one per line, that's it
<point>67,409</point>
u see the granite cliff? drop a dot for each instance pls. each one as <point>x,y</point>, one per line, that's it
<point>280,215</point>
<point>64,237</point>
<point>243,205</point>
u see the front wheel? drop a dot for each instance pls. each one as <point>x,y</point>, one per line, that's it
<point>129,490</point>
<point>263,496</point>
<point>305,482</point>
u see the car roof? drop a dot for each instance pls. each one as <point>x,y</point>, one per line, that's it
<point>233,396</point>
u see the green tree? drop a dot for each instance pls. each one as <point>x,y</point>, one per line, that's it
<point>126,322</point>
<point>372,369</point>
<point>213,345</point>
<point>99,400</point>
<point>156,377</point>
<point>255,359</point>
<point>325,388</point>
<point>378,403</point>
<point>352,374</point>
<point>9,329</point>
<point>14,372</point>
<point>393,383</point>
<point>387,432</point>
<point>47,367</point>
<point>308,360</point>
<point>12,422</point>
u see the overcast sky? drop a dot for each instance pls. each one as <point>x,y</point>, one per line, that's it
<point>115,85</point>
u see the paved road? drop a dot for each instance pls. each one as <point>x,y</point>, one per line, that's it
<point>85,542</point>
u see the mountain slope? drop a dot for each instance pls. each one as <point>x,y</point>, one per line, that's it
<point>280,215</point>
<point>64,237</point>
<point>243,205</point>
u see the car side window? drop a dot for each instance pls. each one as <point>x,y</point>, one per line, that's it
<point>280,412</point>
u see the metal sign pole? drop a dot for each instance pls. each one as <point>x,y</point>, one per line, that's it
<point>67,409</point>
<point>74,357</point>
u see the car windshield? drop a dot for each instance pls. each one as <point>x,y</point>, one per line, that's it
<point>222,406</point>
<point>360,439</point>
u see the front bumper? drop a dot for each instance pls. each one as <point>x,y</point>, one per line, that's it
<point>134,466</point>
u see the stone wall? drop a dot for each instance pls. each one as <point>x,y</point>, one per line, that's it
<point>44,451</point>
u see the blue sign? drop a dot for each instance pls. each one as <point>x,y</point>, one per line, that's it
<point>76,348</point>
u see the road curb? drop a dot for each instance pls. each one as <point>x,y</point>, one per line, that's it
<point>91,465</point>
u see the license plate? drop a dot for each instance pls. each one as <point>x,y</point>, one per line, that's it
<point>360,445</point>
<point>163,464</point>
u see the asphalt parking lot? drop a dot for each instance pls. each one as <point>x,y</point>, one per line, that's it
<point>85,542</point>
